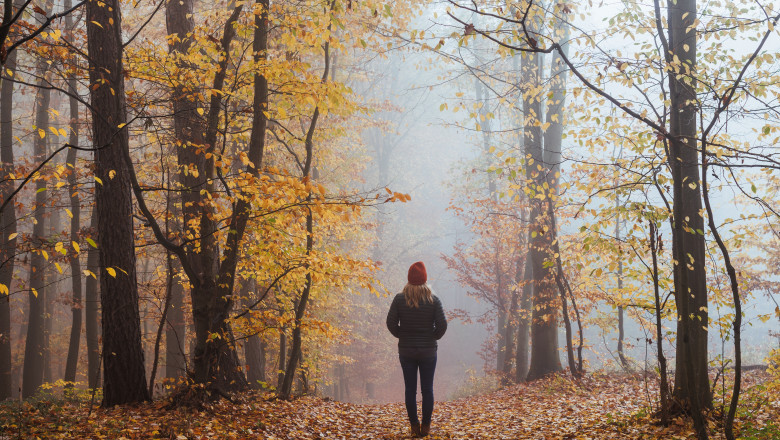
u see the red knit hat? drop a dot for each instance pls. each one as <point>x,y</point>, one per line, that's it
<point>417,274</point>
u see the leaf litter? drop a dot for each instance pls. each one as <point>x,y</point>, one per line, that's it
<point>597,407</point>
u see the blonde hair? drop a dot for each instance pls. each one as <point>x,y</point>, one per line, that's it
<point>417,293</point>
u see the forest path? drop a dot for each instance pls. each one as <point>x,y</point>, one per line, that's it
<point>555,408</point>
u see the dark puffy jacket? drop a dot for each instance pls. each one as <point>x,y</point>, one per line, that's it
<point>417,329</point>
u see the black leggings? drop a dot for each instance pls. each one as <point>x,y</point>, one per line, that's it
<point>427,367</point>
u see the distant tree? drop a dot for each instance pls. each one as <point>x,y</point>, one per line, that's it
<point>14,12</point>
<point>75,219</point>
<point>7,223</point>
<point>35,343</point>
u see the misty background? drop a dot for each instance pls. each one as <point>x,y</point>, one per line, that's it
<point>420,147</point>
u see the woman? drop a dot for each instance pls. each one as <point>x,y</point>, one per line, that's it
<point>416,318</point>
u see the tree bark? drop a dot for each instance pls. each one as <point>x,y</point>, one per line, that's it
<point>509,331</point>
<point>214,359</point>
<point>255,361</point>
<point>92,308</point>
<point>35,344</point>
<point>75,223</point>
<point>7,225</point>
<point>176,330</point>
<point>544,317</point>
<point>296,350</point>
<point>691,380</point>
<point>163,319</point>
<point>621,331</point>
<point>189,130</point>
<point>282,358</point>
<point>123,357</point>
<point>734,282</point>
<point>664,391</point>
<point>254,347</point>
<point>524,321</point>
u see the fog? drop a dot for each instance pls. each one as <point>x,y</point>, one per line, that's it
<point>427,151</point>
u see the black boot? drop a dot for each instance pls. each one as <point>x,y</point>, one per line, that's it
<point>425,429</point>
<point>415,430</point>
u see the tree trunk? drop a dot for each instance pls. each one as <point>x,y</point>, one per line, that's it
<point>692,384</point>
<point>560,279</point>
<point>35,345</point>
<point>255,361</point>
<point>524,321</point>
<point>254,347</point>
<point>7,225</point>
<point>75,223</point>
<point>176,330</point>
<point>51,291</point>
<point>664,392</point>
<point>214,359</point>
<point>509,331</point>
<point>123,357</point>
<point>282,357</point>
<point>163,319</point>
<point>501,326</point>
<point>189,129</point>
<point>300,309</point>
<point>734,281</point>
<point>621,331</point>
<point>544,317</point>
<point>296,349</point>
<point>92,307</point>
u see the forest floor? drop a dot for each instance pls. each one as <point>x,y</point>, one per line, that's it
<point>598,407</point>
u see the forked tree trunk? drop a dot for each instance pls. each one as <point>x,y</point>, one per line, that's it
<point>215,360</point>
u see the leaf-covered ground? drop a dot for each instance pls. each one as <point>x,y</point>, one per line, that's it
<point>599,407</point>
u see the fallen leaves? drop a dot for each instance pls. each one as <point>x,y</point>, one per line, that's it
<point>598,407</point>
